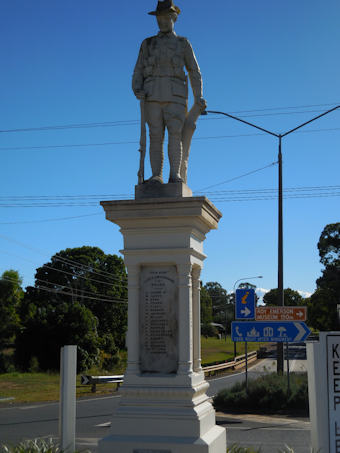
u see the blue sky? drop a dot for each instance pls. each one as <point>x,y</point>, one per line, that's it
<point>70,62</point>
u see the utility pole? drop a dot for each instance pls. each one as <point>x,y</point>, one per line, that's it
<point>280,207</point>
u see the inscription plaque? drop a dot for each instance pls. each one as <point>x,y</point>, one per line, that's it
<point>158,319</point>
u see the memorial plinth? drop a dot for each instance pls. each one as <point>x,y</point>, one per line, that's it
<point>163,406</point>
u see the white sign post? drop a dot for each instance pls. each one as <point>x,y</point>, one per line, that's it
<point>323,361</point>
<point>67,409</point>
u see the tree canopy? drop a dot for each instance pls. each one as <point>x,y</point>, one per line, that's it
<point>11,294</point>
<point>79,297</point>
<point>329,245</point>
<point>322,308</point>
<point>222,306</point>
<point>291,298</point>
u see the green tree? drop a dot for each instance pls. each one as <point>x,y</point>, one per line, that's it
<point>52,327</point>
<point>222,306</point>
<point>219,297</point>
<point>206,307</point>
<point>291,298</point>
<point>206,314</point>
<point>322,311</point>
<point>81,280</point>
<point>11,294</point>
<point>329,244</point>
<point>323,305</point>
<point>329,251</point>
<point>94,279</point>
<point>246,285</point>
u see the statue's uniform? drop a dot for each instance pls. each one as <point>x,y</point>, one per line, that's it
<point>159,73</point>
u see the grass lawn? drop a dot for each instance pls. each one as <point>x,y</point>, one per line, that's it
<point>215,350</point>
<point>36,387</point>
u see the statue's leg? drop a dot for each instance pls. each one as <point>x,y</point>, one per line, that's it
<point>174,115</point>
<point>154,118</point>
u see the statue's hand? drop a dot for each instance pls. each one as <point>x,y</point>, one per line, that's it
<point>140,94</point>
<point>202,103</point>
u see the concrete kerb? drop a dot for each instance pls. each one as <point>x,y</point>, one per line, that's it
<point>303,422</point>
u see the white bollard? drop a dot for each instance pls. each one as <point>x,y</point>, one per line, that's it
<point>67,408</point>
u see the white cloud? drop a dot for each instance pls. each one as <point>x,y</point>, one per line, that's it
<point>304,294</point>
<point>262,291</point>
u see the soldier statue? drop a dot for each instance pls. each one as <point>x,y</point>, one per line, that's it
<point>161,84</point>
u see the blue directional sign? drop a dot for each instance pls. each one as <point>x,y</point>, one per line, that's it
<point>275,331</point>
<point>245,304</point>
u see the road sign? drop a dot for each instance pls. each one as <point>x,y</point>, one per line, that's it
<point>84,380</point>
<point>281,313</point>
<point>275,331</point>
<point>245,304</point>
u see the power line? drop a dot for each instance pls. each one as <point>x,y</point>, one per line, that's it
<point>249,194</point>
<point>46,266</point>
<point>322,195</point>
<point>76,264</point>
<point>58,197</point>
<point>82,266</point>
<point>128,142</point>
<point>135,122</point>
<point>56,219</point>
<point>237,177</point>
<point>287,189</point>
<point>78,291</point>
<point>112,196</point>
<point>81,145</point>
<point>51,290</point>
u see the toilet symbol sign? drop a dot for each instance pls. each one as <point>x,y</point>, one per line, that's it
<point>275,332</point>
<point>245,304</point>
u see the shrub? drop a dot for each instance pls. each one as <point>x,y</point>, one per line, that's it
<point>237,449</point>
<point>32,446</point>
<point>207,330</point>
<point>6,363</point>
<point>267,394</point>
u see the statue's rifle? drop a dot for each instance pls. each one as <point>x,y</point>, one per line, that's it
<point>142,142</point>
<point>187,133</point>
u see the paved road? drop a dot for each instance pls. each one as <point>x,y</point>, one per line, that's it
<point>268,433</point>
<point>93,421</point>
<point>94,415</point>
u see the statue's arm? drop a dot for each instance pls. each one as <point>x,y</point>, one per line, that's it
<point>194,73</point>
<point>138,74</point>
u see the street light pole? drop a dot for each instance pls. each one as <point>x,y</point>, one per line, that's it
<point>245,278</point>
<point>280,210</point>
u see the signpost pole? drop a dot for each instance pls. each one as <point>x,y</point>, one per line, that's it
<point>288,379</point>
<point>246,351</point>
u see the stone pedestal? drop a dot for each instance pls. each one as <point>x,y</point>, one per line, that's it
<point>164,407</point>
<point>158,190</point>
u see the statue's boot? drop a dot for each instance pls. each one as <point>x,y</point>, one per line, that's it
<point>175,158</point>
<point>156,159</point>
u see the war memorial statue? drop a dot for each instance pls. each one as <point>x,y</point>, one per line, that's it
<point>163,405</point>
<point>161,84</point>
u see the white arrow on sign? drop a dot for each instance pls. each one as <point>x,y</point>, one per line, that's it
<point>299,314</point>
<point>245,311</point>
<point>84,380</point>
<point>301,330</point>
